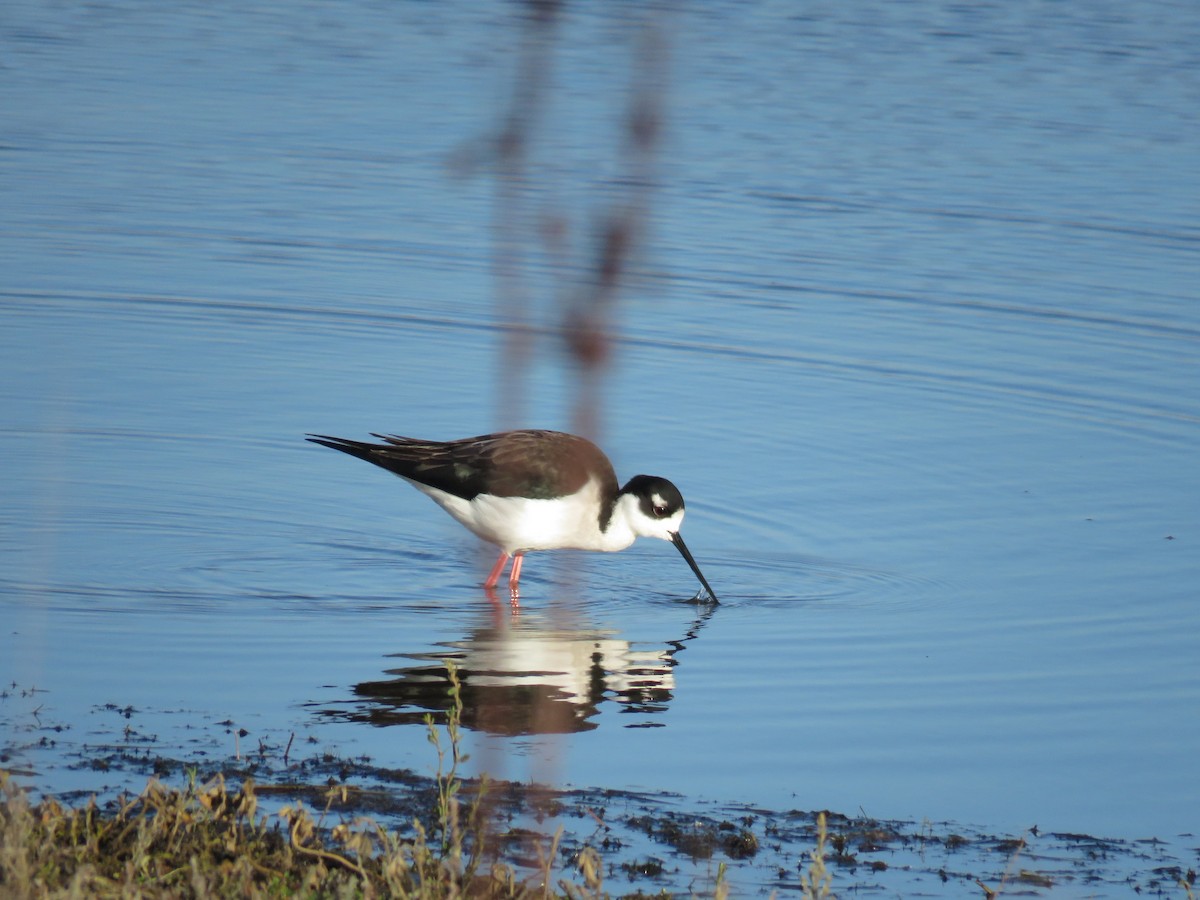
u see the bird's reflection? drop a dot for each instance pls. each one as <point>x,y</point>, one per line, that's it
<point>524,675</point>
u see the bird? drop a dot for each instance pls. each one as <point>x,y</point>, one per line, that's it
<point>529,490</point>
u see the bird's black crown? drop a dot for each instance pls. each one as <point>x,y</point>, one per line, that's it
<point>657,497</point>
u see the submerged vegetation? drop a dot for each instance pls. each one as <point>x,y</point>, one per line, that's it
<point>457,838</point>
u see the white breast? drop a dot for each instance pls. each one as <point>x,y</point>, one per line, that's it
<point>518,523</point>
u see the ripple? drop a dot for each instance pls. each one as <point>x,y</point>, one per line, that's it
<point>791,579</point>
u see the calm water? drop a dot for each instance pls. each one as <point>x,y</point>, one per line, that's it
<point>915,331</point>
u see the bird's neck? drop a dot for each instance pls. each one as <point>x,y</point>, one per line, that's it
<point>616,522</point>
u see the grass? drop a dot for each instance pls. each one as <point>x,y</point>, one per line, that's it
<point>816,882</point>
<point>208,840</point>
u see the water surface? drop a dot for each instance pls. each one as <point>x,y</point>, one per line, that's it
<point>914,331</point>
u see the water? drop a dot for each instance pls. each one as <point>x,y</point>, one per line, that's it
<point>915,333</point>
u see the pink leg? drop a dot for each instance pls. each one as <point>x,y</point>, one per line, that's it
<point>497,571</point>
<point>515,576</point>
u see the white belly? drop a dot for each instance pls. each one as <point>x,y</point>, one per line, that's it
<point>517,523</point>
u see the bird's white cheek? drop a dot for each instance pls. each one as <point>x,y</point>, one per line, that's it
<point>671,526</point>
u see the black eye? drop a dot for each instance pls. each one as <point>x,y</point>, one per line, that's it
<point>660,511</point>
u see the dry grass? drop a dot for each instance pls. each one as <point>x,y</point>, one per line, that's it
<point>208,840</point>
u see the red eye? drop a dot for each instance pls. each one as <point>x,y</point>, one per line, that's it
<point>660,511</point>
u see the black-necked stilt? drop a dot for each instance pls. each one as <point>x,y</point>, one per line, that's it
<point>531,490</point>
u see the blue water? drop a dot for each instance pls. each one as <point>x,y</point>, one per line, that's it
<point>913,326</point>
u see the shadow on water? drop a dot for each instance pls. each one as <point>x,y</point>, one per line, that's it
<point>524,674</point>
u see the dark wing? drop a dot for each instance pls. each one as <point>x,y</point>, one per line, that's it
<point>537,464</point>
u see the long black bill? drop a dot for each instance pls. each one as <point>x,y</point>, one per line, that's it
<point>677,540</point>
